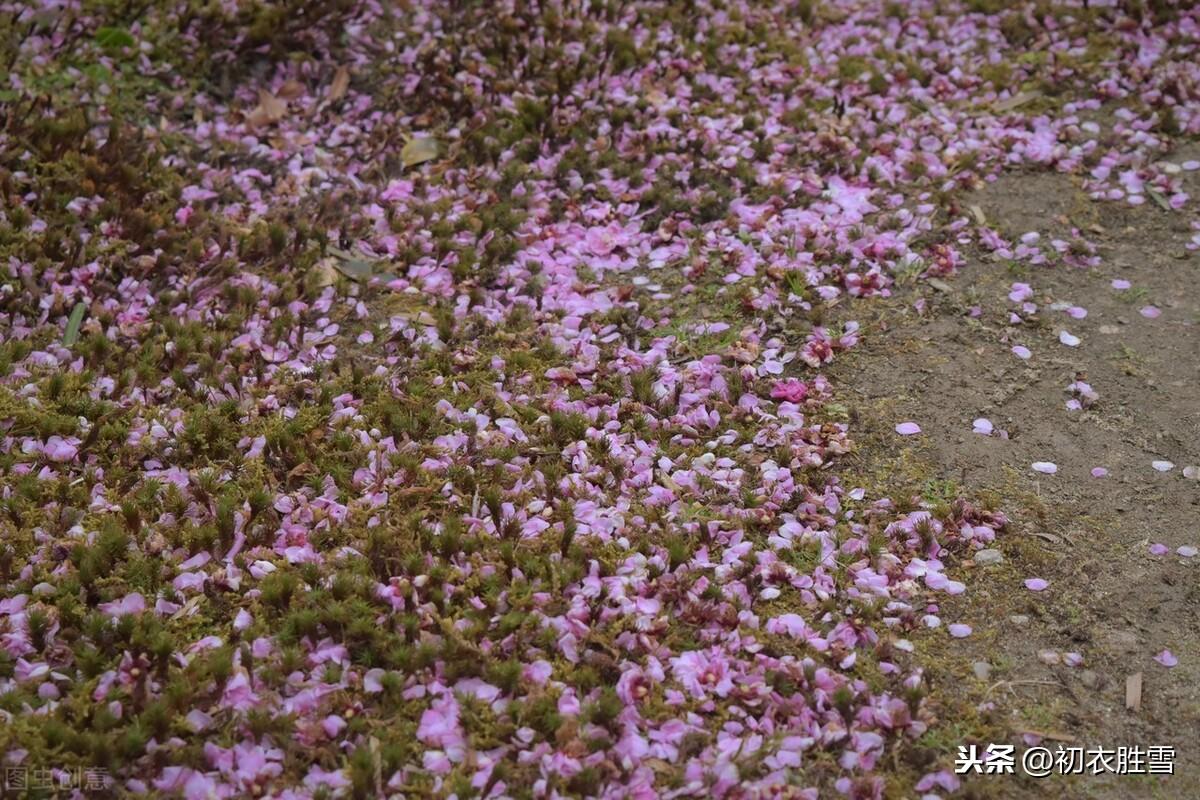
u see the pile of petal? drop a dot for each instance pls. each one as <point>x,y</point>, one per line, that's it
<point>428,401</point>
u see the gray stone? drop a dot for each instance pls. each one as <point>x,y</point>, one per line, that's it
<point>983,670</point>
<point>988,556</point>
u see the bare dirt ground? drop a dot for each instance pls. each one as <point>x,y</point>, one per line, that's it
<point>1109,598</point>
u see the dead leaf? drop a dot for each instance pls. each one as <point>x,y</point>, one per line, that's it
<point>1049,537</point>
<point>743,351</point>
<point>1161,201</point>
<point>977,212</point>
<point>301,470</point>
<point>270,109</point>
<point>188,608</point>
<point>353,267</point>
<point>1133,692</point>
<point>670,482</point>
<point>325,273</point>
<point>339,85</point>
<point>418,151</point>
<point>291,90</point>
<point>1016,101</point>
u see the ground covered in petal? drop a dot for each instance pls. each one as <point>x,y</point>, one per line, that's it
<point>433,400</point>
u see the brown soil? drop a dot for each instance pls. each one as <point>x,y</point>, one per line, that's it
<point>1108,599</point>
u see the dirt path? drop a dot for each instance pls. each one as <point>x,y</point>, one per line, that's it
<point>1109,600</point>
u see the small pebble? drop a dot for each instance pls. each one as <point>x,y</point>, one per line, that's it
<point>988,557</point>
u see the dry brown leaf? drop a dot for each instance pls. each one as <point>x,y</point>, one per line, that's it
<point>290,90</point>
<point>1133,692</point>
<point>743,351</point>
<point>270,109</point>
<point>339,85</point>
<point>418,151</point>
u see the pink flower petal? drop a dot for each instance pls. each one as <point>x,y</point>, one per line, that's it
<point>1167,659</point>
<point>1036,584</point>
<point>908,428</point>
<point>1159,549</point>
<point>1150,312</point>
<point>959,631</point>
<point>1045,467</point>
<point>1187,551</point>
<point>1163,466</point>
<point>1022,352</point>
<point>1120,284</point>
<point>984,426</point>
<point>1067,338</point>
<point>1099,472</point>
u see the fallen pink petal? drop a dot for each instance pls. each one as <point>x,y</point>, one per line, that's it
<point>1167,659</point>
<point>1045,467</point>
<point>908,428</point>
<point>1036,584</point>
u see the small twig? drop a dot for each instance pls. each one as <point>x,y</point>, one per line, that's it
<point>998,684</point>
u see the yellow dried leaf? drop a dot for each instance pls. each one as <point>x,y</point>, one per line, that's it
<point>324,273</point>
<point>418,151</point>
<point>339,85</point>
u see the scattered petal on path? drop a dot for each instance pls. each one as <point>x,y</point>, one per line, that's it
<point>1022,352</point>
<point>908,428</point>
<point>1166,658</point>
<point>1045,467</point>
<point>1036,584</point>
